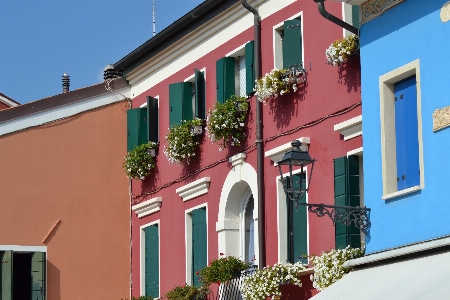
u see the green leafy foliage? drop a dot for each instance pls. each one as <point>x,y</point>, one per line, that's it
<point>138,163</point>
<point>185,292</point>
<point>182,142</point>
<point>140,298</point>
<point>341,49</point>
<point>222,270</point>
<point>276,83</point>
<point>225,122</point>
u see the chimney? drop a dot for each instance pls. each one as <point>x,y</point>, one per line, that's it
<point>109,73</point>
<point>65,83</point>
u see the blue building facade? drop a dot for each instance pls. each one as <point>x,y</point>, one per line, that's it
<point>405,78</point>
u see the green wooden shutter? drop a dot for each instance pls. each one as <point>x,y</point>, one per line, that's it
<point>199,243</point>
<point>346,193</point>
<point>180,101</point>
<point>152,117</point>
<point>38,276</point>
<point>6,259</point>
<point>292,43</point>
<point>355,16</point>
<point>199,94</point>
<point>249,71</point>
<point>225,78</point>
<point>151,261</point>
<point>136,127</point>
<point>297,225</point>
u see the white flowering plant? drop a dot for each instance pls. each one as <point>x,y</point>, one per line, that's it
<point>266,282</point>
<point>225,122</point>
<point>182,142</point>
<point>138,162</point>
<point>340,50</point>
<point>275,83</point>
<point>328,267</point>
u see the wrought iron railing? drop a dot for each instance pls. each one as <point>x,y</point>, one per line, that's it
<point>231,290</point>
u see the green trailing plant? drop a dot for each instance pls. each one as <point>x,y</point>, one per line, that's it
<point>138,163</point>
<point>182,142</point>
<point>328,267</point>
<point>276,83</point>
<point>340,50</point>
<point>222,269</point>
<point>266,282</point>
<point>185,292</point>
<point>225,122</point>
<point>140,298</point>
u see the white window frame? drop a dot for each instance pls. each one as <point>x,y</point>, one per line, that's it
<point>278,42</point>
<point>142,256</point>
<point>188,239</point>
<point>388,137</point>
<point>237,54</point>
<point>248,194</point>
<point>282,214</point>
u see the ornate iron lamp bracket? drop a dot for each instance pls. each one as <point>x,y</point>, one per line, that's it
<point>345,215</point>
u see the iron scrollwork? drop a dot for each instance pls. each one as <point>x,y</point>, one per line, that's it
<point>345,215</point>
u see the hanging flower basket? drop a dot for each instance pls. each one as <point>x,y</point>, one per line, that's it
<point>225,122</point>
<point>341,50</point>
<point>278,82</point>
<point>139,162</point>
<point>222,270</point>
<point>182,142</point>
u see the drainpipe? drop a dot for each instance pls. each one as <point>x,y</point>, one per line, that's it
<point>259,139</point>
<point>335,20</point>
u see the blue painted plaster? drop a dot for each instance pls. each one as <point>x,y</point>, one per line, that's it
<point>409,31</point>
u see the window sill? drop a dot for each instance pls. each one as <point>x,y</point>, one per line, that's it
<point>402,192</point>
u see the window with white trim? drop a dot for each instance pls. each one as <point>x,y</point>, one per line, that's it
<point>288,43</point>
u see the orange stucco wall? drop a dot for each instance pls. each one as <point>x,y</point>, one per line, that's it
<point>70,170</point>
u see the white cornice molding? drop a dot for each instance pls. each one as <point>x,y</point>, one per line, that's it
<point>8,102</point>
<point>147,207</point>
<point>199,43</point>
<point>194,189</point>
<point>350,128</point>
<point>237,159</point>
<point>277,153</point>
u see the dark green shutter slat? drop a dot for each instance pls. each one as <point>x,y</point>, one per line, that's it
<point>346,193</point>
<point>225,78</point>
<point>199,94</point>
<point>297,225</point>
<point>152,261</point>
<point>136,127</point>
<point>199,243</point>
<point>355,16</point>
<point>249,71</point>
<point>180,101</point>
<point>292,43</point>
<point>152,117</point>
<point>38,276</point>
<point>6,275</point>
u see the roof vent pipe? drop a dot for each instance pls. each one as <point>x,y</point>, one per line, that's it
<point>65,83</point>
<point>333,19</point>
<point>109,73</point>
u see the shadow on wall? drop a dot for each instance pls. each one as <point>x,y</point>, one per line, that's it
<point>54,282</point>
<point>350,74</point>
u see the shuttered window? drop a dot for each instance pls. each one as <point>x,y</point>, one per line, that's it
<point>137,127</point>
<point>13,282</point>
<point>355,16</point>
<point>199,243</point>
<point>292,43</point>
<point>180,102</point>
<point>346,193</point>
<point>152,117</point>
<point>200,100</point>
<point>406,134</point>
<point>249,70</point>
<point>225,78</point>
<point>297,225</point>
<point>152,261</point>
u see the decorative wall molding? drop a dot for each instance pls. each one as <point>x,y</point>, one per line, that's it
<point>277,153</point>
<point>350,128</point>
<point>374,8</point>
<point>441,118</point>
<point>237,159</point>
<point>194,189</point>
<point>147,207</point>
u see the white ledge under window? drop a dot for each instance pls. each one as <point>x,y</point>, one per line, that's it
<point>147,207</point>
<point>277,153</point>
<point>402,192</point>
<point>350,128</point>
<point>194,189</point>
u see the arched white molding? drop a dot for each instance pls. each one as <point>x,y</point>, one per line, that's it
<point>236,186</point>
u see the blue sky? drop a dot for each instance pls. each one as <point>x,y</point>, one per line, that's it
<point>40,40</point>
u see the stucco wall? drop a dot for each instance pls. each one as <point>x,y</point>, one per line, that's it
<point>70,170</point>
<point>410,31</point>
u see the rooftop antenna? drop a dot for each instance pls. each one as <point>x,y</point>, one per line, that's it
<point>154,21</point>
